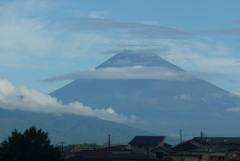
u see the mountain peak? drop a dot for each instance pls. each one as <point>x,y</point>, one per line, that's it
<point>127,58</point>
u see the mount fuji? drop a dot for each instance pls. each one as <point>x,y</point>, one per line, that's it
<point>165,104</point>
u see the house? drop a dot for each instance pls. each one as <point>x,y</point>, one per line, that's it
<point>116,149</point>
<point>217,156</point>
<point>90,155</point>
<point>115,155</point>
<point>190,150</point>
<point>144,144</point>
<point>72,152</point>
<point>233,154</point>
<point>167,145</point>
<point>180,157</point>
<point>203,154</point>
<point>162,153</point>
<point>219,144</point>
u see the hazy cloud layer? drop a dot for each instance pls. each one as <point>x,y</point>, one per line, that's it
<point>23,98</point>
<point>25,39</point>
<point>34,35</point>
<point>146,30</point>
<point>135,72</point>
<point>229,31</point>
<point>234,109</point>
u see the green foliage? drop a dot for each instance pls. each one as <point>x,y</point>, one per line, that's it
<point>32,145</point>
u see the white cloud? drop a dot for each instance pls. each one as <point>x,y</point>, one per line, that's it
<point>99,14</point>
<point>25,39</point>
<point>216,95</point>
<point>23,98</point>
<point>237,93</point>
<point>22,37</point>
<point>135,72</point>
<point>28,37</point>
<point>37,34</point>
<point>234,109</point>
<point>202,55</point>
<point>183,97</point>
<point>145,31</point>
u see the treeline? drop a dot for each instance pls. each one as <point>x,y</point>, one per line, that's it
<point>83,145</point>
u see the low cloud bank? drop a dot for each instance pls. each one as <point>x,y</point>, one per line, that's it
<point>234,109</point>
<point>135,72</point>
<point>23,98</point>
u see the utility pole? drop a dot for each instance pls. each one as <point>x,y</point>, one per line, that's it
<point>147,148</point>
<point>180,135</point>
<point>108,142</point>
<point>201,136</point>
<point>62,145</point>
<point>226,150</point>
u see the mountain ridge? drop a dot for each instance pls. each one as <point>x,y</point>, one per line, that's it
<point>72,129</point>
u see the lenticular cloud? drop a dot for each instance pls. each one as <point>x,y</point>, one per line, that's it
<point>134,72</point>
<point>23,98</point>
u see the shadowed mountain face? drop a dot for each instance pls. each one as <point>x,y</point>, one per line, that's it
<point>72,129</point>
<point>165,105</point>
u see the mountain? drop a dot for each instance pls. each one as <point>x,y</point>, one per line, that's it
<point>128,58</point>
<point>71,129</point>
<point>165,105</point>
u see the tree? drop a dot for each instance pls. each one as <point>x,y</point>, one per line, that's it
<point>32,145</point>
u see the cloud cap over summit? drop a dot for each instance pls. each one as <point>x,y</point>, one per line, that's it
<point>129,64</point>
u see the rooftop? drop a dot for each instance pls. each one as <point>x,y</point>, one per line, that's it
<point>218,140</point>
<point>185,146</point>
<point>146,140</point>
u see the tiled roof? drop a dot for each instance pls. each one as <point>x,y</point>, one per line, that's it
<point>181,155</point>
<point>162,148</point>
<point>219,140</point>
<point>186,146</point>
<point>114,148</point>
<point>222,147</point>
<point>202,142</point>
<point>146,140</point>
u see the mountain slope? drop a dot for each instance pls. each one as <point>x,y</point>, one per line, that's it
<point>168,104</point>
<point>128,58</point>
<point>68,128</point>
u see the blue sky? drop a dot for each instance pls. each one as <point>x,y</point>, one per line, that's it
<point>40,39</point>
